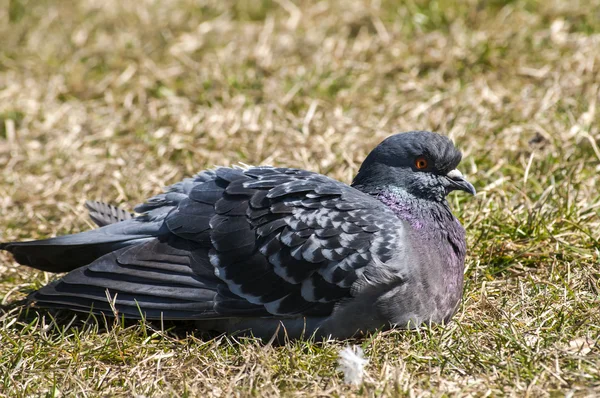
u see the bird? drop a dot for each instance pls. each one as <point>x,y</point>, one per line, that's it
<point>265,250</point>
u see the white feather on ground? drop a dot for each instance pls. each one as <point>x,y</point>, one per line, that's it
<point>352,363</point>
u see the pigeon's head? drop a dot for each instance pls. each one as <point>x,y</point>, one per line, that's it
<point>421,163</point>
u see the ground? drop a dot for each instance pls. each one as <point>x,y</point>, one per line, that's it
<point>113,100</point>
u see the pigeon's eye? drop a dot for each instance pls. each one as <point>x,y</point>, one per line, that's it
<point>421,163</point>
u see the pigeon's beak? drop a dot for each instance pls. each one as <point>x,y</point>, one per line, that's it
<point>456,181</point>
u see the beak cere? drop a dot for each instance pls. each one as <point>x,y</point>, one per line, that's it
<point>456,181</point>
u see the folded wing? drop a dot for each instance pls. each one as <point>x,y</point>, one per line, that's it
<point>256,242</point>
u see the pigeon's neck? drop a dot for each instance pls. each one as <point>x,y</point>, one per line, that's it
<point>432,219</point>
<point>413,209</point>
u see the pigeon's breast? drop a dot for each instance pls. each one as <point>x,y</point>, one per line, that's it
<point>439,273</point>
<point>436,243</point>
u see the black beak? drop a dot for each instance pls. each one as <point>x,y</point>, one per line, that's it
<point>456,181</point>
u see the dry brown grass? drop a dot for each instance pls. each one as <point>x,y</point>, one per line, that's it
<point>113,100</point>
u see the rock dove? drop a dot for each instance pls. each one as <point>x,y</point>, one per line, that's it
<point>264,249</point>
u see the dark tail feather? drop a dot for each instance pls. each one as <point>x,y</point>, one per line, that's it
<point>104,214</point>
<point>66,253</point>
<point>45,256</point>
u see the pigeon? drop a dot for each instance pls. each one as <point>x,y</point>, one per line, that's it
<point>266,250</point>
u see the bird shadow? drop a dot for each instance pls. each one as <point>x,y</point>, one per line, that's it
<point>21,316</point>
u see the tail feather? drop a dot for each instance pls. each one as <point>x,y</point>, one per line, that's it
<point>66,253</point>
<point>111,282</point>
<point>104,214</point>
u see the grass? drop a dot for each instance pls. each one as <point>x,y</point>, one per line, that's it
<point>113,100</point>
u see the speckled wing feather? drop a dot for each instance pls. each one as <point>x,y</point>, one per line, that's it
<point>253,242</point>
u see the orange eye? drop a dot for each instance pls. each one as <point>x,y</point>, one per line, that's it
<point>421,163</point>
